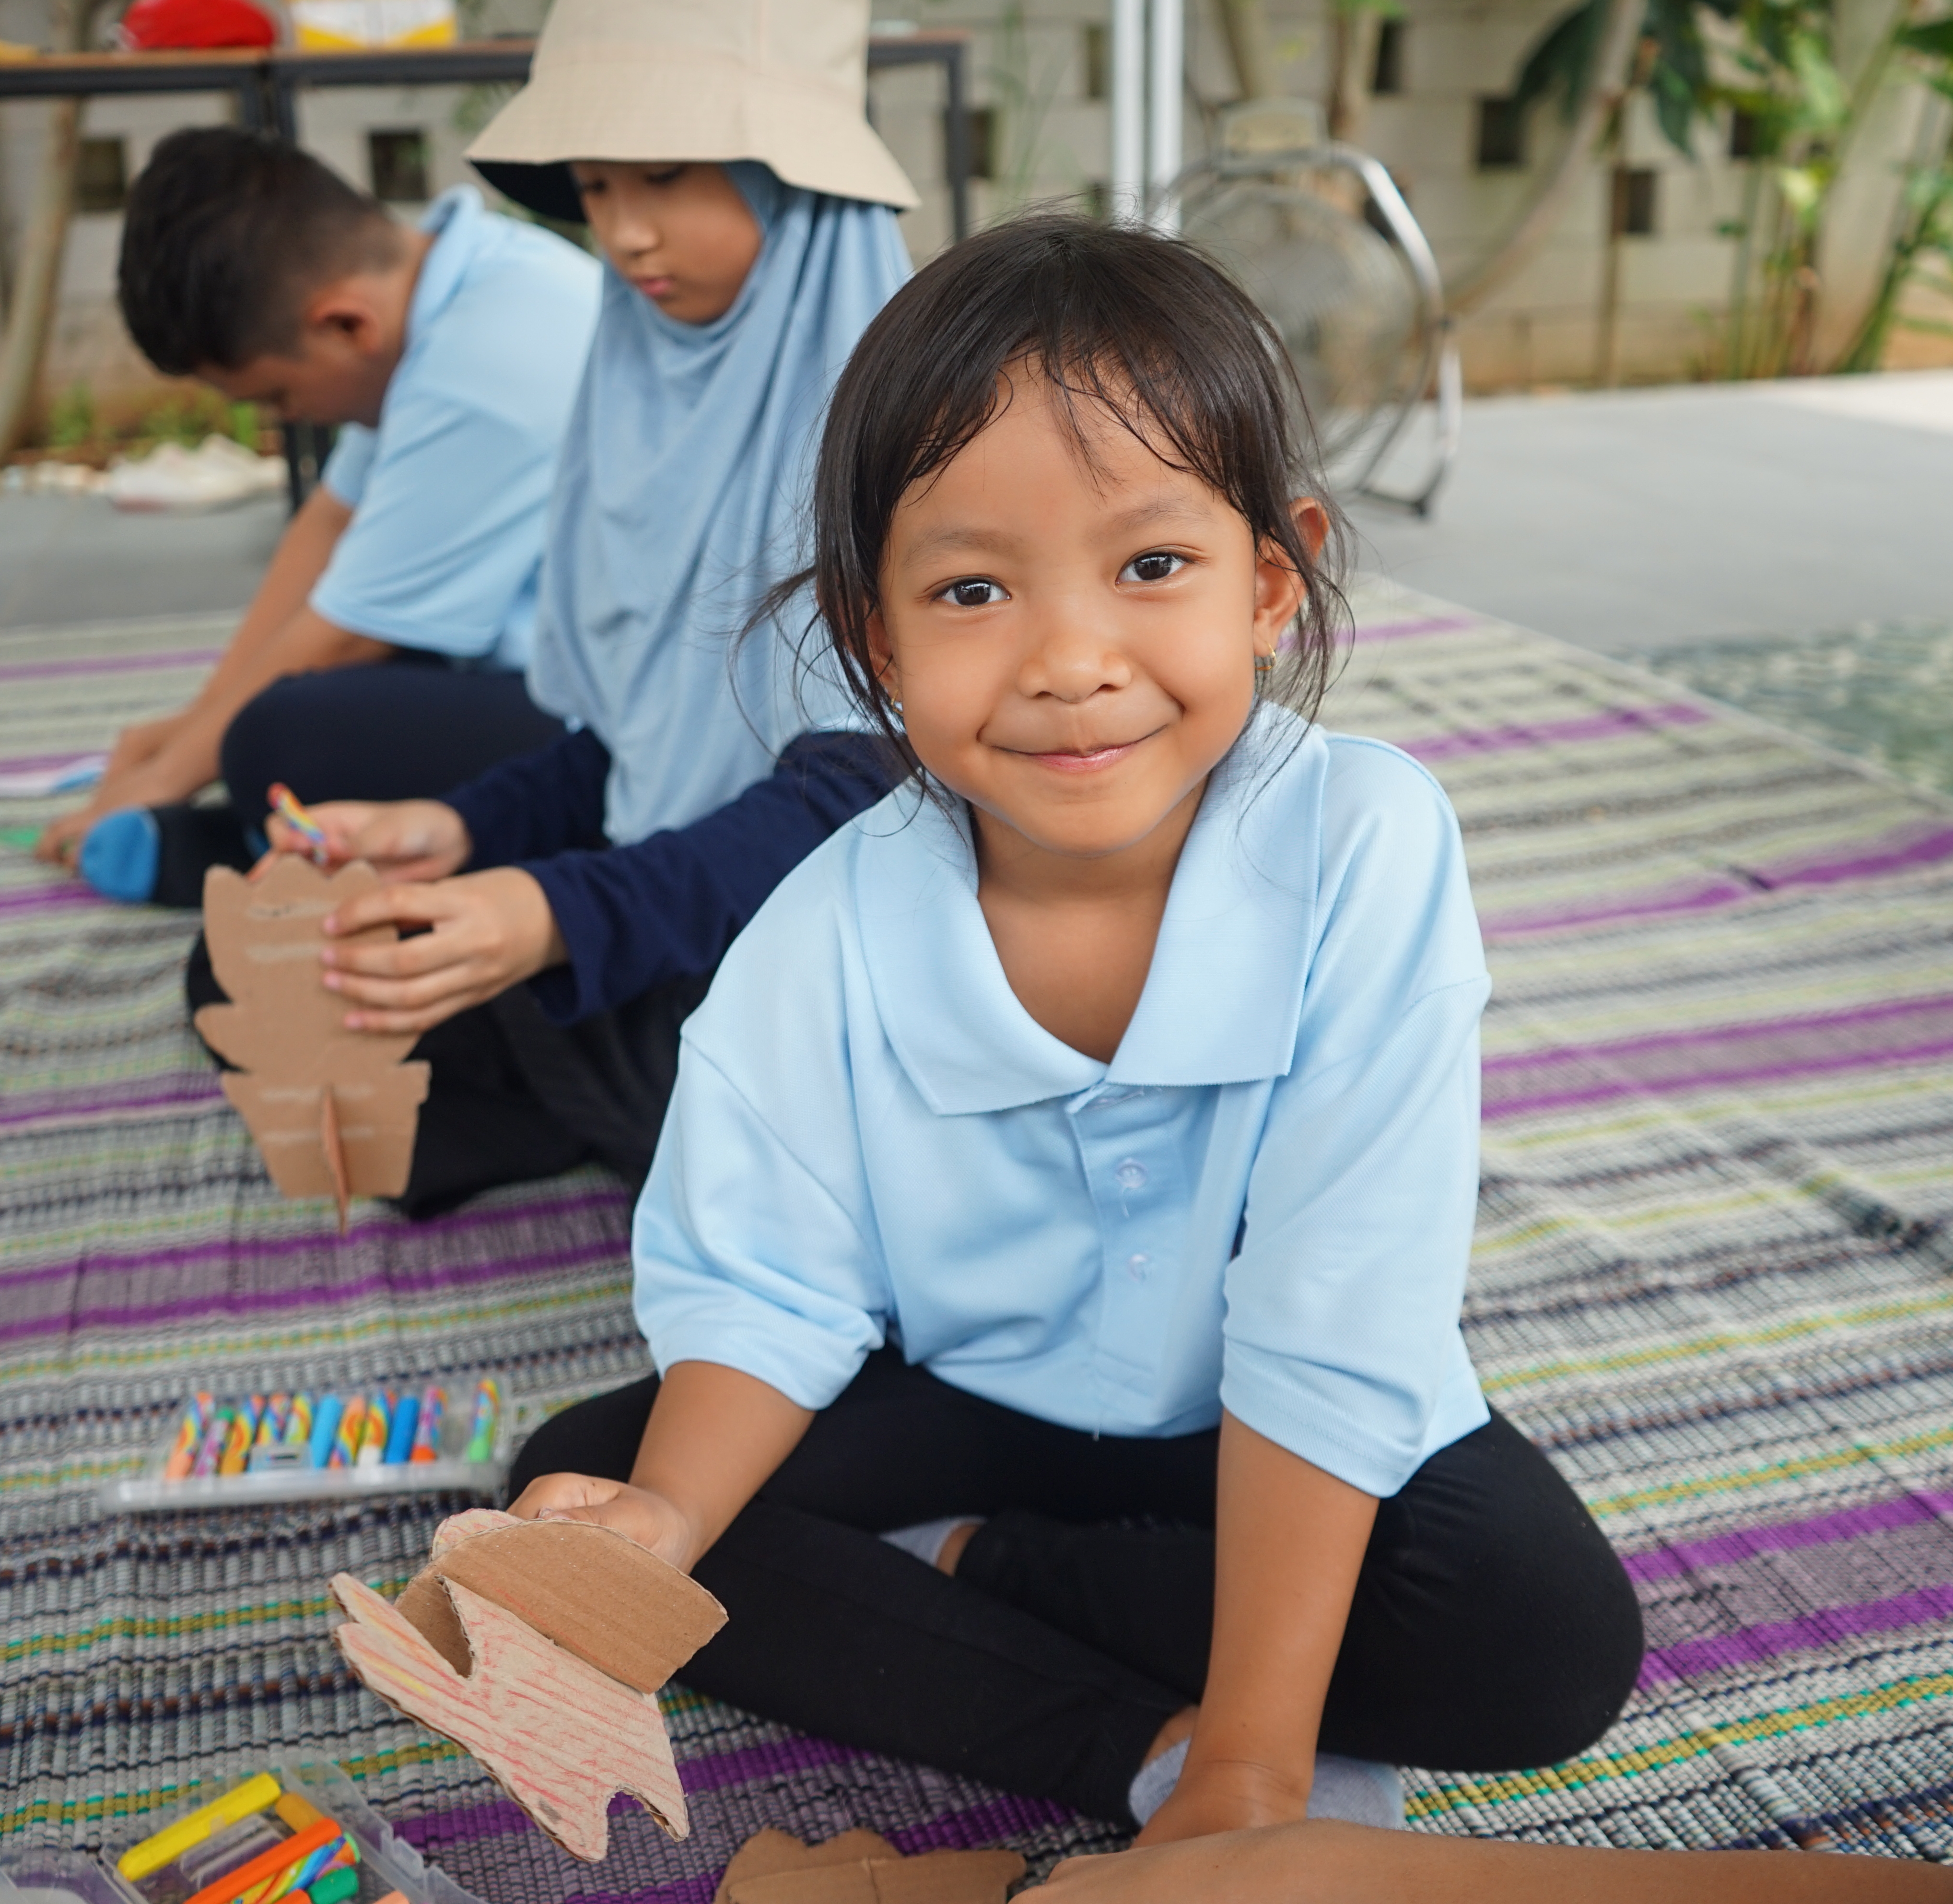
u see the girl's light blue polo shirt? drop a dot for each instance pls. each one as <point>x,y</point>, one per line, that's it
<point>1264,1203</point>
<point>450,495</point>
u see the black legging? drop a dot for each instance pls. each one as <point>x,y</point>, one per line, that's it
<point>408,728</point>
<point>1492,1626</point>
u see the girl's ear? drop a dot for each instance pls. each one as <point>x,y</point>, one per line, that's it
<point>1278,589</point>
<point>881,655</point>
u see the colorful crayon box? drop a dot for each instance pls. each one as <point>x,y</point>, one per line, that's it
<point>451,1431</point>
<point>385,1864</point>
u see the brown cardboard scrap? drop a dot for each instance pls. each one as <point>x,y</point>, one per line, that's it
<point>558,1735</point>
<point>287,1033</point>
<point>613,1603</point>
<point>859,1868</point>
<point>769,1852</point>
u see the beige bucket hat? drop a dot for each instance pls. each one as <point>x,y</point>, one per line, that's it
<point>783,81</point>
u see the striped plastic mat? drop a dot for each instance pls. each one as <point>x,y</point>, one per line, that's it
<point>1712,1278</point>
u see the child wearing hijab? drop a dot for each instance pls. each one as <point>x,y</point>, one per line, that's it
<point>743,207</point>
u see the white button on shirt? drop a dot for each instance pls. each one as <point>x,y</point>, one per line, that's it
<point>1265,1201</point>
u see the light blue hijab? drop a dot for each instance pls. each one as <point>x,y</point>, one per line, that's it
<point>682,496</point>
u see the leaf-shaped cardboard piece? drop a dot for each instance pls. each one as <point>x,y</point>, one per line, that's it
<point>859,1868</point>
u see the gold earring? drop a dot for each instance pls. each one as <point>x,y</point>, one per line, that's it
<point>1265,668</point>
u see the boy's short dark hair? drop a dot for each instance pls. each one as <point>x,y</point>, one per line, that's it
<point>1146,326</point>
<point>225,234</point>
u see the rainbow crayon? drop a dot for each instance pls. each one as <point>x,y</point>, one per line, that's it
<point>190,1437</point>
<point>346,1443</point>
<point>271,1423</point>
<point>427,1430</point>
<point>401,1435</point>
<point>287,805</point>
<point>214,1439</point>
<point>324,1431</point>
<point>373,1431</point>
<point>487,1407</point>
<point>243,1429</point>
<point>298,1423</point>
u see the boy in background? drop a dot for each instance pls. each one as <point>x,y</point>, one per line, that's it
<point>450,354</point>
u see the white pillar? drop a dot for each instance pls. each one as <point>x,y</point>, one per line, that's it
<point>1168,50</point>
<point>1126,183</point>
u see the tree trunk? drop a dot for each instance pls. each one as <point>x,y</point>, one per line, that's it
<point>37,276</point>
<point>1244,23</point>
<point>1607,86</point>
<point>1353,50</point>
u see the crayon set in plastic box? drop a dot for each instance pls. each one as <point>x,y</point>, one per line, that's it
<point>291,1833</point>
<point>452,1433</point>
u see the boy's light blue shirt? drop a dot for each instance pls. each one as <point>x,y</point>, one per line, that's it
<point>1264,1203</point>
<point>450,492</point>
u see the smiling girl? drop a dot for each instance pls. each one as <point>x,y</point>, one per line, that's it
<point>1054,1260</point>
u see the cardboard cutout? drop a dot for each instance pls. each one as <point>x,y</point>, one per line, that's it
<point>860,1867</point>
<point>333,1111</point>
<point>530,1643</point>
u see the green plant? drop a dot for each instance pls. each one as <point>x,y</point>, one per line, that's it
<point>71,422</point>
<point>241,425</point>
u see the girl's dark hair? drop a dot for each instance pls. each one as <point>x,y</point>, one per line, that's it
<point>1141,324</point>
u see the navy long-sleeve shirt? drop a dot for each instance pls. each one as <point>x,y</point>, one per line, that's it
<point>667,907</point>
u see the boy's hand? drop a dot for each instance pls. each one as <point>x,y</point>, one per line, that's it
<point>648,1519</point>
<point>139,773</point>
<point>491,931</point>
<point>401,840</point>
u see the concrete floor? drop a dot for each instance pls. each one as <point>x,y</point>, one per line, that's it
<point>1637,520</point>
<point>1628,522</point>
<point>67,558</point>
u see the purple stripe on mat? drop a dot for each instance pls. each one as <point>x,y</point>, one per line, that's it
<point>1900,1031</point>
<point>1751,1645</point>
<point>980,1825</point>
<point>1615,722</point>
<point>1650,905</point>
<point>1899,852</point>
<point>70,896</point>
<point>150,1094</point>
<point>1423,624</point>
<point>36,763</point>
<point>1783,1537</point>
<point>187,657</point>
<point>234,1303</point>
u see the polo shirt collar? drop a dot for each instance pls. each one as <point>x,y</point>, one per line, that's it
<point>1223,999</point>
<point>455,221</point>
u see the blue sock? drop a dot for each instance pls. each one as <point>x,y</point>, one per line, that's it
<point>120,855</point>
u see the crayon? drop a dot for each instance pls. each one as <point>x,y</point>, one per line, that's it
<point>298,1875</point>
<point>325,1431</point>
<point>346,1443</point>
<point>189,1437</point>
<point>169,1844</point>
<point>488,1407</point>
<point>243,1428</point>
<point>401,1436</point>
<point>298,1423</point>
<point>426,1432</point>
<point>288,806</point>
<point>336,1886</point>
<point>215,1437</point>
<point>268,1865</point>
<point>271,1423</point>
<point>297,1812</point>
<point>373,1431</point>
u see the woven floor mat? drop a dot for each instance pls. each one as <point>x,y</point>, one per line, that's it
<point>1711,1278</point>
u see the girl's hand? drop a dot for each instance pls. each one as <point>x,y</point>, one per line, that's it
<point>491,931</point>
<point>401,840</point>
<point>130,778</point>
<point>640,1515</point>
<point>1226,1795</point>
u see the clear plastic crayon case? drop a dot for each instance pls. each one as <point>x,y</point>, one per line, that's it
<point>283,1470</point>
<point>386,1864</point>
